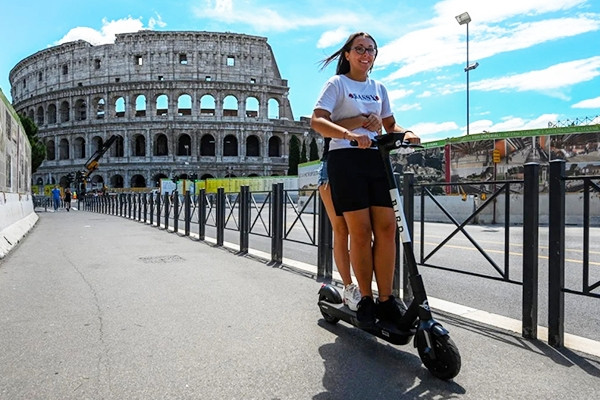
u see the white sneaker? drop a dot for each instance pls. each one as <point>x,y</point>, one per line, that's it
<point>351,296</point>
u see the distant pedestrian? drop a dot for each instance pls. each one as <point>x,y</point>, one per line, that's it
<point>56,197</point>
<point>67,199</point>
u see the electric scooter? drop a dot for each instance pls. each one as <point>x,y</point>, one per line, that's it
<point>438,352</point>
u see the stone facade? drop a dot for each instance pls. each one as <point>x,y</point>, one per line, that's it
<point>181,103</point>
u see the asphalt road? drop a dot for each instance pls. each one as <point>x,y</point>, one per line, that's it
<point>99,307</point>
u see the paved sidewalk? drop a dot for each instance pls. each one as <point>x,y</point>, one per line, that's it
<point>98,307</point>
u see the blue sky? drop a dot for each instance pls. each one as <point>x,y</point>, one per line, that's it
<point>539,60</point>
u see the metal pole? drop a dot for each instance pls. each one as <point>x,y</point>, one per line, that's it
<point>530,250</point>
<point>556,255</point>
<point>467,68</point>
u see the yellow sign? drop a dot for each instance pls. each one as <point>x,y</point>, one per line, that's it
<point>496,156</point>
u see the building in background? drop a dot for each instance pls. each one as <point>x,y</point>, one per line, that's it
<point>186,104</point>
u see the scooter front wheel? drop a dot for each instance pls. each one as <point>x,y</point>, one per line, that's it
<point>442,359</point>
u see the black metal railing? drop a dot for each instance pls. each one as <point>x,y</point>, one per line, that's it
<point>556,248</point>
<point>277,215</point>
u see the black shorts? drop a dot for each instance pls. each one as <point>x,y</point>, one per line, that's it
<point>358,180</point>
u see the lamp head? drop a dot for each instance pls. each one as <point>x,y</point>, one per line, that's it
<point>463,18</point>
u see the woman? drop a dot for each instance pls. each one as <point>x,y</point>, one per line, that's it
<point>359,189</point>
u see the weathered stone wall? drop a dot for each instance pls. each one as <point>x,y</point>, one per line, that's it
<point>181,103</point>
<point>16,206</point>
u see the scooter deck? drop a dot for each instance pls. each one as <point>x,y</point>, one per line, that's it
<point>383,329</point>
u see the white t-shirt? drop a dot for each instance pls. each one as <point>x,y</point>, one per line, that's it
<point>346,98</point>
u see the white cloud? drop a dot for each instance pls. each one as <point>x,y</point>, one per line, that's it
<point>589,103</point>
<point>554,77</point>
<point>432,128</point>
<point>109,30</point>
<point>442,44</point>
<point>331,38</point>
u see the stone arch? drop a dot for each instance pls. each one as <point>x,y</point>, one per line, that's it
<point>138,181</point>
<point>274,147</point>
<point>65,111</point>
<point>207,145</point>
<point>230,106</point>
<point>52,113</point>
<point>184,105</point>
<point>162,105</point>
<point>161,145</point>
<point>252,146</point>
<point>39,118</point>
<point>252,107</point>
<point>117,181</point>
<point>50,150</point>
<point>184,145</point>
<point>273,108</point>
<point>120,107</point>
<point>100,105</point>
<point>140,106</point>
<point>207,105</point>
<point>139,146</point>
<point>118,147</point>
<point>79,147</point>
<point>63,149</point>
<point>230,146</point>
<point>80,110</point>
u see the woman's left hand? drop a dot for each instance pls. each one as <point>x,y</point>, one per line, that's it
<point>372,122</point>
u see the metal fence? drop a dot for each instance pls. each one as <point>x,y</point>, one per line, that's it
<point>280,216</point>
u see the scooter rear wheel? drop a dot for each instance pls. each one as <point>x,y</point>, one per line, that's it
<point>446,363</point>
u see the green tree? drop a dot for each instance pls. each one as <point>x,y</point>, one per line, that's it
<point>314,150</point>
<point>294,156</point>
<point>303,158</point>
<point>38,150</point>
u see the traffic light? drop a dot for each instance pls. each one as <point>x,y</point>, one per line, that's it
<point>496,156</point>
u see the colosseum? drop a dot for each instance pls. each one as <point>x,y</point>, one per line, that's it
<point>187,104</point>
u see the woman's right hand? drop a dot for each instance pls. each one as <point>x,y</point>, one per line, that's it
<point>364,141</point>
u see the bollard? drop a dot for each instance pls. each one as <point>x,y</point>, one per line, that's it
<point>277,211</point>
<point>530,250</point>
<point>158,208</point>
<point>166,206</point>
<point>175,211</point>
<point>201,214</point>
<point>186,212</point>
<point>244,217</point>
<point>145,201</point>
<point>220,214</point>
<point>556,254</point>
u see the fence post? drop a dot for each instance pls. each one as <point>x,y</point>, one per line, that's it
<point>201,214</point>
<point>408,204</point>
<point>151,204</point>
<point>244,216</point>
<point>166,206</point>
<point>325,246</point>
<point>139,197</point>
<point>158,206</point>
<point>530,250</point>
<point>220,216</point>
<point>186,212</point>
<point>556,254</point>
<point>129,205</point>
<point>175,211</point>
<point>145,201</point>
<point>277,224</point>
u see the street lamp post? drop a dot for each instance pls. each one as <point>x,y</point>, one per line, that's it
<point>464,19</point>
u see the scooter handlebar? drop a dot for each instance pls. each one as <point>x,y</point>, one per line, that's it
<point>392,141</point>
